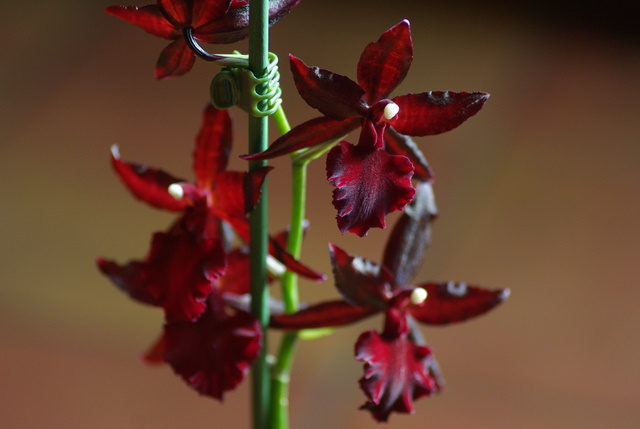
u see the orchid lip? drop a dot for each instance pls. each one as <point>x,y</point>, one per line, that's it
<point>390,111</point>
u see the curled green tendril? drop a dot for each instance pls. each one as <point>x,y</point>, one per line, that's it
<point>238,86</point>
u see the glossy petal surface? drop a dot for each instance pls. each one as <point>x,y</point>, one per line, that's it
<point>334,95</point>
<point>147,184</point>
<point>213,146</point>
<point>396,372</point>
<point>385,63</point>
<point>149,18</point>
<point>326,314</point>
<point>369,184</point>
<point>214,354</point>
<point>453,302</point>
<point>435,112</point>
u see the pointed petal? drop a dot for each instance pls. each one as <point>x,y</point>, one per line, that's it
<point>213,146</point>
<point>410,236</point>
<point>241,227</point>
<point>313,132</point>
<point>455,302</point>
<point>384,64</point>
<point>326,314</point>
<point>369,184</point>
<point>149,18</point>
<point>155,354</point>
<point>147,184</point>
<point>334,95</point>
<point>235,193</point>
<point>214,354</point>
<point>435,112</point>
<point>396,372</point>
<point>399,144</point>
<point>234,25</point>
<point>177,11</point>
<point>205,11</point>
<point>175,60</point>
<point>360,281</point>
<point>131,279</point>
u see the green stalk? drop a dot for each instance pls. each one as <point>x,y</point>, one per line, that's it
<point>258,142</point>
<point>279,413</point>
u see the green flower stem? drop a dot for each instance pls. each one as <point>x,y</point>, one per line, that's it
<point>258,142</point>
<point>279,413</point>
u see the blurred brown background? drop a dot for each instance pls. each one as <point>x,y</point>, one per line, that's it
<point>539,193</point>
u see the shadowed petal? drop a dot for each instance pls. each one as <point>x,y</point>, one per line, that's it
<point>313,132</point>
<point>236,193</point>
<point>455,302</point>
<point>177,11</point>
<point>214,354</point>
<point>396,372</point>
<point>334,95</point>
<point>384,64</point>
<point>175,60</point>
<point>410,236</point>
<point>326,314</point>
<point>213,146</point>
<point>399,144</point>
<point>147,184</point>
<point>149,18</point>
<point>369,184</point>
<point>205,11</point>
<point>360,281</point>
<point>435,112</point>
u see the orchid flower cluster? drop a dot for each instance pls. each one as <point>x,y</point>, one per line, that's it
<point>198,270</point>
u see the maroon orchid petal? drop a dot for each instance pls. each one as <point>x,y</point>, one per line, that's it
<point>455,302</point>
<point>360,281</point>
<point>234,25</point>
<point>155,354</point>
<point>213,146</point>
<point>326,314</point>
<point>410,236</point>
<point>236,193</point>
<point>205,11</point>
<point>132,279</point>
<point>399,144</point>
<point>176,274</point>
<point>236,277</point>
<point>334,95</point>
<point>147,184</point>
<point>241,227</point>
<point>396,372</point>
<point>435,112</point>
<point>149,18</point>
<point>384,64</point>
<point>177,11</point>
<point>369,184</point>
<point>175,60</point>
<point>313,132</point>
<point>214,354</point>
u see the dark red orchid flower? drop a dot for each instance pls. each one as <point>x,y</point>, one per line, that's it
<point>213,354</point>
<point>212,21</point>
<point>373,178</point>
<point>216,193</point>
<point>397,369</point>
<point>176,275</point>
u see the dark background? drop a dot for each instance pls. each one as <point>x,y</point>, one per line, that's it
<point>539,193</point>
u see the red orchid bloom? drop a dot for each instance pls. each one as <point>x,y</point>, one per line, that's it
<point>213,354</point>
<point>374,177</point>
<point>216,194</point>
<point>398,370</point>
<point>212,21</point>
